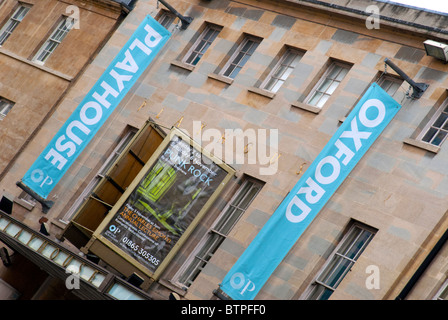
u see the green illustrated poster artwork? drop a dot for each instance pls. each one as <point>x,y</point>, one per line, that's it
<point>164,203</point>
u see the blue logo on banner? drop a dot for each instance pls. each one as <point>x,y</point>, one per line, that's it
<point>96,107</point>
<point>351,141</point>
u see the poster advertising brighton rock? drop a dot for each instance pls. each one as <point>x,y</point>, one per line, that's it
<point>164,203</point>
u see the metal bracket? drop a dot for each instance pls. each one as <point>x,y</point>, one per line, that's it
<point>46,204</point>
<point>419,88</point>
<point>185,20</point>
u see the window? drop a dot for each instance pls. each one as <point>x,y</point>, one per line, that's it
<point>218,232</point>
<point>240,57</point>
<point>389,84</point>
<point>100,174</point>
<point>201,45</point>
<point>55,39</point>
<point>328,84</point>
<point>442,294</point>
<point>13,22</point>
<point>5,107</point>
<point>282,70</point>
<point>166,18</point>
<point>340,262</point>
<point>436,130</point>
<point>26,200</point>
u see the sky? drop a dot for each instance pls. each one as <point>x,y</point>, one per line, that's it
<point>435,5</point>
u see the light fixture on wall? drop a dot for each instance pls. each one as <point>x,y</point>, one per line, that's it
<point>436,49</point>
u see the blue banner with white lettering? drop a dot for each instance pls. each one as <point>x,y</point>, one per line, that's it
<point>96,107</point>
<point>296,212</point>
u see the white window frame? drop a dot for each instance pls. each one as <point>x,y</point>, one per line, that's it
<point>389,84</point>
<point>329,90</point>
<point>166,19</point>
<point>282,70</point>
<point>318,282</point>
<point>57,36</point>
<point>442,294</point>
<point>439,124</point>
<point>5,107</point>
<point>235,62</point>
<point>202,44</point>
<point>118,150</point>
<point>12,23</point>
<point>217,233</point>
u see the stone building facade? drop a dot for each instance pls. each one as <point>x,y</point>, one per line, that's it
<point>306,64</point>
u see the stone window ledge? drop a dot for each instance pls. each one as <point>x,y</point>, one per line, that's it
<point>306,107</point>
<point>422,145</point>
<point>262,92</point>
<point>27,205</point>
<point>36,65</point>
<point>220,78</point>
<point>182,65</point>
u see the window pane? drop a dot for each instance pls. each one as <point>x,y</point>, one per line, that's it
<point>224,217</point>
<point>5,107</point>
<point>290,58</point>
<point>350,241</point>
<point>235,72</point>
<point>325,85</point>
<point>216,235</point>
<point>231,221</point>
<point>335,69</point>
<point>320,293</point>
<point>328,85</point>
<point>201,45</point>
<point>445,127</point>
<point>211,35</point>
<point>166,19</point>
<point>270,85</point>
<point>240,58</point>
<point>429,135</point>
<point>341,74</point>
<point>55,39</point>
<point>335,271</point>
<point>444,294</point>
<point>341,261</point>
<point>277,86</point>
<point>13,22</point>
<point>244,204</point>
<point>242,193</point>
<point>393,88</point>
<point>20,13</point>
<point>122,293</point>
<point>441,120</point>
<point>281,71</point>
<point>315,99</point>
<point>439,138</point>
<point>322,101</point>
<point>247,46</point>
<point>358,246</point>
<point>286,74</point>
<point>201,259</point>
<point>332,87</point>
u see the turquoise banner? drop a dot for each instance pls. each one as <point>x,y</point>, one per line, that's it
<point>296,212</point>
<point>96,107</point>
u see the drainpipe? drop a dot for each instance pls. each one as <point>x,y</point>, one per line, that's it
<point>425,264</point>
